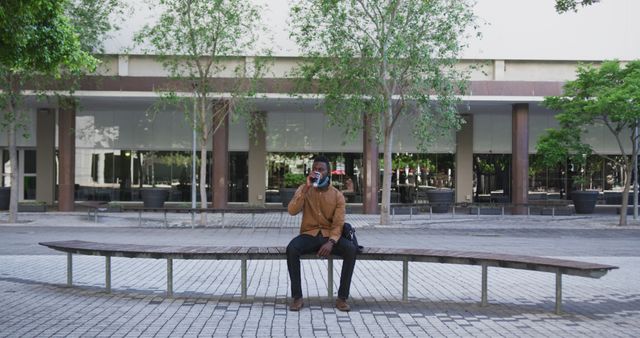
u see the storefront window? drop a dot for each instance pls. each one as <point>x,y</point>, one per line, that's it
<point>492,178</point>
<point>120,174</point>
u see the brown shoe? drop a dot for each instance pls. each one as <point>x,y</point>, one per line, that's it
<point>341,304</point>
<point>296,304</point>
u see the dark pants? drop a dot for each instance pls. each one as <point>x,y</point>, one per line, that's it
<point>305,244</point>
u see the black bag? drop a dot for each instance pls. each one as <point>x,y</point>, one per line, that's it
<point>349,233</point>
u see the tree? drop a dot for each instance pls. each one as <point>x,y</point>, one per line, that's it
<point>94,20</point>
<point>35,38</point>
<point>387,59</point>
<point>195,39</point>
<point>607,96</point>
<point>563,6</point>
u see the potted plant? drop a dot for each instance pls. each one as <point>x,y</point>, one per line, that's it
<point>440,198</point>
<point>291,183</point>
<point>152,197</point>
<point>554,148</point>
<point>583,200</point>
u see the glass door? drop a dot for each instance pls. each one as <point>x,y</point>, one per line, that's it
<point>26,172</point>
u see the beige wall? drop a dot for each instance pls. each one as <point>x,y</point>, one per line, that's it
<point>282,67</point>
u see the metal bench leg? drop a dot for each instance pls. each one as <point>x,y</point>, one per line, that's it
<point>169,277</point>
<point>330,277</point>
<point>243,278</point>
<point>405,280</point>
<point>166,223</point>
<point>140,218</point>
<point>107,273</point>
<point>222,220</point>
<point>558,293</point>
<point>485,269</point>
<point>253,220</point>
<point>69,269</point>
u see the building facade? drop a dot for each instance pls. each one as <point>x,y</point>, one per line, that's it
<point>113,143</point>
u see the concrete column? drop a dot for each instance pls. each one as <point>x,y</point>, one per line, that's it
<point>520,157</point>
<point>258,160</point>
<point>100,166</point>
<point>370,168</point>
<point>220,172</point>
<point>123,65</point>
<point>464,161</point>
<point>498,70</point>
<point>46,156</point>
<point>67,154</point>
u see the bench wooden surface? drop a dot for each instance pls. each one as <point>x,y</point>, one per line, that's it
<point>244,253</point>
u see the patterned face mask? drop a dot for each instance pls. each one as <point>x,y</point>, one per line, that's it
<point>323,182</point>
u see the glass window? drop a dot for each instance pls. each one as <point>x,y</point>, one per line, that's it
<point>29,161</point>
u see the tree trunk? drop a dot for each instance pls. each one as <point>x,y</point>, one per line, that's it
<point>204,138</point>
<point>625,194</point>
<point>13,158</point>
<point>386,180</point>
<point>13,151</point>
<point>203,180</point>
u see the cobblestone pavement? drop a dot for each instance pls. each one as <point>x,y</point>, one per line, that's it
<point>443,299</point>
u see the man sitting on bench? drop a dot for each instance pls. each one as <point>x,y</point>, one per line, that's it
<point>323,210</point>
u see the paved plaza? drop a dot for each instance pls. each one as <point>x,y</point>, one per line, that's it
<point>443,299</point>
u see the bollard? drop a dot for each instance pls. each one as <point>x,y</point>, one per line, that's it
<point>107,273</point>
<point>69,269</point>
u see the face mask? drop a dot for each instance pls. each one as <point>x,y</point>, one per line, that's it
<point>323,182</point>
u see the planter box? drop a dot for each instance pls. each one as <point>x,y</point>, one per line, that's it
<point>154,197</point>
<point>405,210</point>
<point>615,197</point>
<point>27,207</point>
<point>485,210</point>
<point>629,210</point>
<point>584,201</point>
<point>440,200</point>
<point>537,196</point>
<point>558,211</point>
<point>5,197</point>
<point>286,194</point>
<point>273,197</point>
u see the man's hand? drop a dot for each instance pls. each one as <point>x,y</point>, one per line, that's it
<point>325,249</point>
<point>310,178</point>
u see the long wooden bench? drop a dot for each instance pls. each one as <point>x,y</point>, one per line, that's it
<point>243,254</point>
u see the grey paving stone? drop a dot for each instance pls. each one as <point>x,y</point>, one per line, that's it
<point>443,299</point>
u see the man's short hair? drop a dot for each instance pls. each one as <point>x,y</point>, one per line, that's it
<point>324,160</point>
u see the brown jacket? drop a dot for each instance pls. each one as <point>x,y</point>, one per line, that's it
<point>322,210</point>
